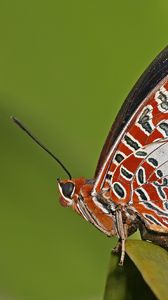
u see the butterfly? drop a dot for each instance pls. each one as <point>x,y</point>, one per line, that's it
<point>129,190</point>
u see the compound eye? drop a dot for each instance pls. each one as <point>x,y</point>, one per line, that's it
<point>67,189</point>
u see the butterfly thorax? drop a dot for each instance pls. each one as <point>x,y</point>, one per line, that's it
<point>97,208</point>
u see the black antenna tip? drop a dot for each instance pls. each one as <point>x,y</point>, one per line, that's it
<point>17,122</point>
<point>12,118</point>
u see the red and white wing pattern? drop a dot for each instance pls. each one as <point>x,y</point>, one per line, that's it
<point>141,180</point>
<point>136,168</point>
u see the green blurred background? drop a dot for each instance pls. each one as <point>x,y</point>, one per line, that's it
<point>65,68</point>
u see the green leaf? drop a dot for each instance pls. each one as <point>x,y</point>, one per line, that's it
<point>152,261</point>
<point>125,283</point>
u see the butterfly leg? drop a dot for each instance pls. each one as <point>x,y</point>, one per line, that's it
<point>117,248</point>
<point>122,232</point>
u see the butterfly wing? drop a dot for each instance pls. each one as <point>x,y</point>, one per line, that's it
<point>137,123</point>
<point>141,182</point>
<point>150,186</point>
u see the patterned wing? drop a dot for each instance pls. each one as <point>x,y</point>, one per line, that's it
<point>134,161</point>
<point>141,181</point>
<point>141,120</point>
<point>150,186</point>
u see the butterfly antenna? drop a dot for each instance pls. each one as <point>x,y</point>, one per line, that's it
<point>17,122</point>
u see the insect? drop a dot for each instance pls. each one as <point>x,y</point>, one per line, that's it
<point>129,190</point>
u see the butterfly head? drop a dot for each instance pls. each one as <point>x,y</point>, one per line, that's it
<point>69,190</point>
